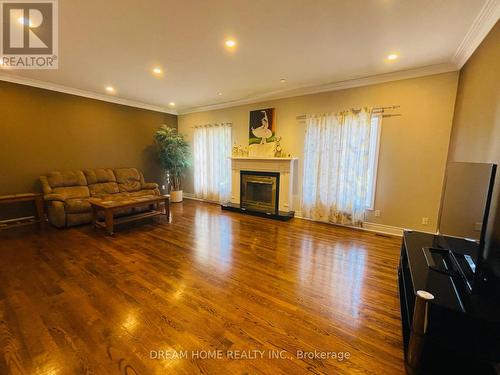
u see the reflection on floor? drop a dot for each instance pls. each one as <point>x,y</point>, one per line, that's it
<point>192,295</point>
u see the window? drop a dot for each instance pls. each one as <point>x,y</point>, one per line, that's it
<point>340,166</point>
<point>212,166</point>
<point>373,161</point>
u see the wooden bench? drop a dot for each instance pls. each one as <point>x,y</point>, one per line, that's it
<point>39,217</point>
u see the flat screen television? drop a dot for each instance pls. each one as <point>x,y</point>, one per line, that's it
<point>464,213</point>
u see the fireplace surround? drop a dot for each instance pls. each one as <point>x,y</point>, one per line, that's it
<point>254,199</point>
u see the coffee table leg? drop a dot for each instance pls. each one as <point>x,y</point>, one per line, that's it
<point>108,216</point>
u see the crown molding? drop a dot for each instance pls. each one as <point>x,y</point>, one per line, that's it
<point>333,86</point>
<point>84,93</point>
<point>483,23</point>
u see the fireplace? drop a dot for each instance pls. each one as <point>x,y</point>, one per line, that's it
<point>259,191</point>
<point>263,187</point>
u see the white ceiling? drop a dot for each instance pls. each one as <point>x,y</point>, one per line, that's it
<point>307,42</point>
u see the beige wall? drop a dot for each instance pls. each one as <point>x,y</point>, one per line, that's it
<point>476,125</point>
<point>413,149</point>
<point>42,130</point>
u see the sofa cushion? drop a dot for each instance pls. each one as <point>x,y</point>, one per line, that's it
<point>72,192</point>
<point>76,206</point>
<point>95,176</point>
<point>66,178</point>
<point>129,179</point>
<point>101,182</point>
<point>104,188</point>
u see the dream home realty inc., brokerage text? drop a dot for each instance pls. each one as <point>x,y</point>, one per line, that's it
<point>252,354</point>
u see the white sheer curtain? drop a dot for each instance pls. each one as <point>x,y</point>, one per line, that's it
<point>336,163</point>
<point>212,166</point>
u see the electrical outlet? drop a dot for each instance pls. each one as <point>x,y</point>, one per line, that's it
<point>425,220</point>
<point>377,213</point>
<point>162,187</point>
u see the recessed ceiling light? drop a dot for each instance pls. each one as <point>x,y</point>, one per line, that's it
<point>282,80</point>
<point>110,89</point>
<point>171,104</point>
<point>219,93</point>
<point>157,70</point>
<point>230,43</point>
<point>392,56</point>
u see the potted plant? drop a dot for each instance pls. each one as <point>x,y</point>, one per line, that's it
<point>174,156</point>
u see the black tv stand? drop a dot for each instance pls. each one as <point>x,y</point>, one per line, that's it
<point>446,328</point>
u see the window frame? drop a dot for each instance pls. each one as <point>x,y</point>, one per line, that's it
<point>374,158</point>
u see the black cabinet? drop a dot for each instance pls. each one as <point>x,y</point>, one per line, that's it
<point>463,329</point>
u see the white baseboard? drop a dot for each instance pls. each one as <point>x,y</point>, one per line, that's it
<point>192,197</point>
<point>383,229</point>
<point>367,227</point>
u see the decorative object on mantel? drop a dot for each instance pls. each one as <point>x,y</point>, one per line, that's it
<point>239,151</point>
<point>277,148</point>
<point>174,156</point>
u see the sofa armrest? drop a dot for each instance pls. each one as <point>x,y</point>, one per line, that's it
<point>45,185</point>
<point>56,213</point>
<point>54,197</point>
<point>150,185</point>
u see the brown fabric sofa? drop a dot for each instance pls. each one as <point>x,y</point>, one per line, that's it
<point>67,193</point>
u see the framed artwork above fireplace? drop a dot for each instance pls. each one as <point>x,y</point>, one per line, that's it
<point>262,126</point>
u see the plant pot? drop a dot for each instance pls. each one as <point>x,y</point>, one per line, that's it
<point>176,196</point>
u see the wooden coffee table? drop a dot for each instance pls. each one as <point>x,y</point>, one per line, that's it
<point>158,205</point>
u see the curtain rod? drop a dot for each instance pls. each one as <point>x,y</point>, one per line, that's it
<point>213,125</point>
<point>375,110</point>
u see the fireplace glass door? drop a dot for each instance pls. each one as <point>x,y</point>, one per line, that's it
<point>259,191</point>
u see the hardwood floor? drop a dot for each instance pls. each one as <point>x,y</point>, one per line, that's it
<point>79,302</point>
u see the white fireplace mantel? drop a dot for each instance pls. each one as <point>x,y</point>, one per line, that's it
<point>287,167</point>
